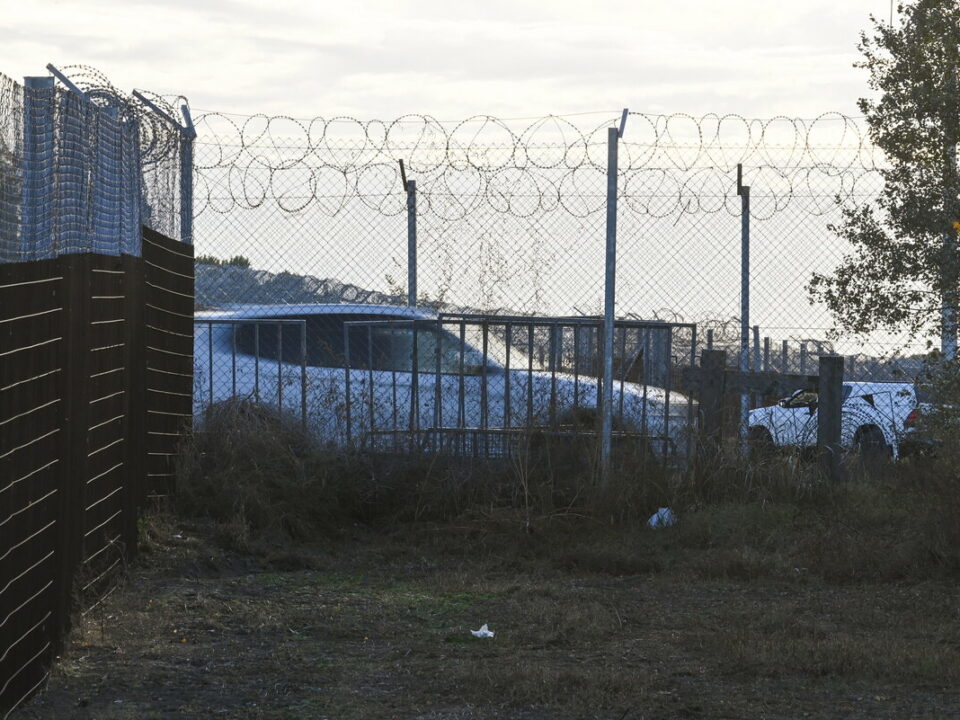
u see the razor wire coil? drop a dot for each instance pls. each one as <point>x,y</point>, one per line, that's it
<point>669,164</point>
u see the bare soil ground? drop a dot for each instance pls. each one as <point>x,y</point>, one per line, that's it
<point>621,623</point>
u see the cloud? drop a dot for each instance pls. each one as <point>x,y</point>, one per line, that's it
<point>375,58</point>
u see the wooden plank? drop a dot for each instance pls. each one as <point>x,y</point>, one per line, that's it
<point>73,386</point>
<point>168,319</point>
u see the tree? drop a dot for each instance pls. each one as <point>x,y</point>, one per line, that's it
<point>903,271</point>
<point>236,260</point>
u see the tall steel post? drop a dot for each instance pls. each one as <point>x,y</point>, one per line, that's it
<point>187,135</point>
<point>411,188</point>
<point>744,192</point>
<point>609,300</point>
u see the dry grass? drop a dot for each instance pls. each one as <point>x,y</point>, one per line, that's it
<point>263,481</point>
<point>599,622</point>
<point>300,583</point>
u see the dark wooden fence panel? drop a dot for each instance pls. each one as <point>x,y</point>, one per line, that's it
<point>31,427</point>
<point>168,326</point>
<point>106,477</point>
<point>96,380</point>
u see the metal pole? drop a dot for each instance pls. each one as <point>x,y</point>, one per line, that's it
<point>609,299</point>
<point>187,136</point>
<point>744,192</point>
<point>757,367</point>
<point>412,243</point>
<point>303,373</point>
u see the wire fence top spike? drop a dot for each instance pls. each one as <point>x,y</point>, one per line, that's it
<point>66,81</point>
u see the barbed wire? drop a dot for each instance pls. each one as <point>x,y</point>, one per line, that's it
<point>159,141</point>
<point>669,164</point>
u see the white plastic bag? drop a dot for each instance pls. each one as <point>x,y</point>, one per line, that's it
<point>483,632</point>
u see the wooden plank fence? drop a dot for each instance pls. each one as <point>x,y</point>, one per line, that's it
<point>76,437</point>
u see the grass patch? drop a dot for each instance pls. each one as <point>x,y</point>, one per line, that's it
<point>294,581</point>
<point>379,627</point>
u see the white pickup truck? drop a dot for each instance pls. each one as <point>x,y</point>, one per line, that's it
<point>876,418</point>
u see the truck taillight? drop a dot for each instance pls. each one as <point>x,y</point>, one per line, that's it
<point>912,418</point>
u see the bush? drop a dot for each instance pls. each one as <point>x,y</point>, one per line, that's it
<point>261,477</point>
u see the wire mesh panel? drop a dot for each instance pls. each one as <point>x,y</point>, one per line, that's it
<point>510,218</point>
<point>82,167</point>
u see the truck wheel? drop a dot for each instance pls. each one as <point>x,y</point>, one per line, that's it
<point>870,444</point>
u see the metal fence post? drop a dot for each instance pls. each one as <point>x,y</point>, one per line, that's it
<point>829,404</point>
<point>609,299</point>
<point>187,135</point>
<point>411,187</point>
<point>757,366</point>
<point>744,192</point>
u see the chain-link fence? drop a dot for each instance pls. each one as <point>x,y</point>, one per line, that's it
<point>510,217</point>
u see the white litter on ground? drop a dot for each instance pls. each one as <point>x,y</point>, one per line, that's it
<point>483,632</point>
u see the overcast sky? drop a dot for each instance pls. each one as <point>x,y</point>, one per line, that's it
<point>510,58</point>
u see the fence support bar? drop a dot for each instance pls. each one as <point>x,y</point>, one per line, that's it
<point>609,299</point>
<point>156,108</point>
<point>411,188</point>
<point>187,135</point>
<point>66,81</point>
<point>744,192</point>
